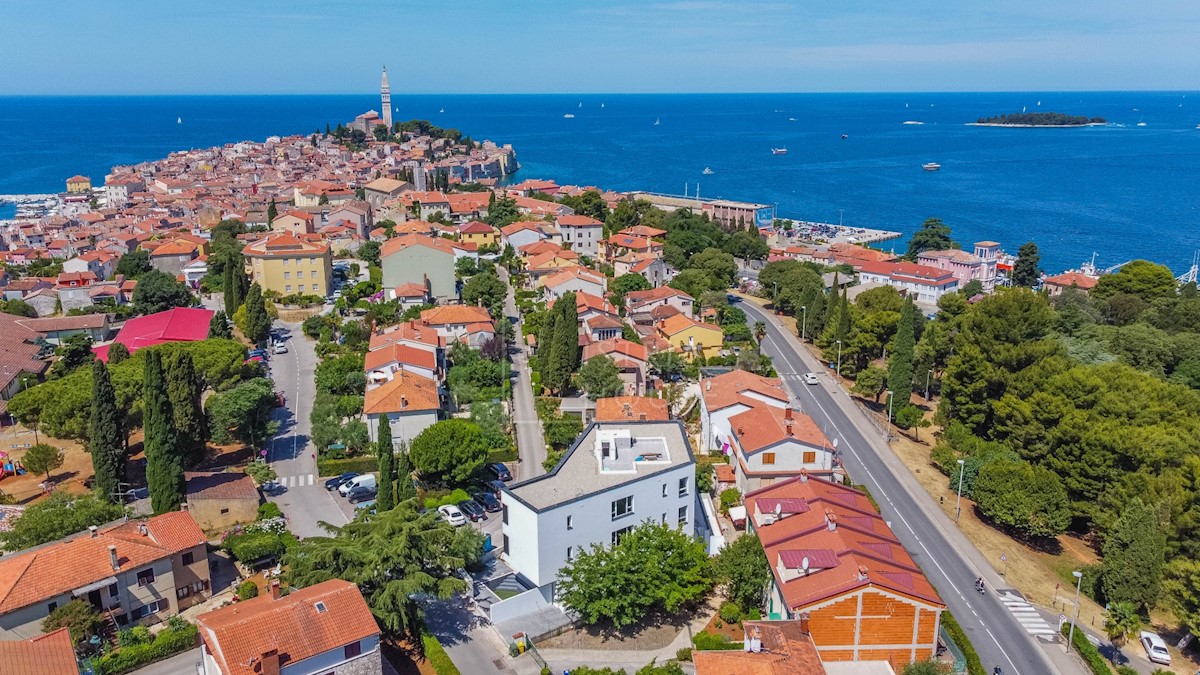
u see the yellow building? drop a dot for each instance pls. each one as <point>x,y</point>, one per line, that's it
<point>479,233</point>
<point>689,336</point>
<point>289,265</point>
<point>77,185</point>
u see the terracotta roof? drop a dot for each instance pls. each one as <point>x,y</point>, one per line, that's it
<point>730,388</point>
<point>643,231</point>
<point>387,185</point>
<point>578,221</point>
<point>219,485</point>
<point>954,254</point>
<point>412,290</point>
<point>49,654</point>
<point>621,408</point>
<point>1068,279</point>
<point>405,392</point>
<point>635,299</point>
<point>411,331</point>
<point>408,240</point>
<point>455,314</point>
<point>36,574</point>
<point>765,425</point>
<point>18,353</point>
<point>509,230</point>
<point>617,346</point>
<point>79,179</point>
<point>400,353</point>
<point>679,323</point>
<point>911,272</point>
<point>299,625</point>
<point>175,247</point>
<point>476,227</point>
<point>552,260</point>
<point>786,650</point>
<point>284,244</point>
<point>724,473</point>
<point>539,247</point>
<point>842,530</point>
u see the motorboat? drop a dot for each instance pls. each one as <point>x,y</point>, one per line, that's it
<point>931,166</point>
<point>778,151</point>
<point>707,171</point>
<point>569,116</point>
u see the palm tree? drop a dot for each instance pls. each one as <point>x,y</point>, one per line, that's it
<point>1122,622</point>
<point>760,332</point>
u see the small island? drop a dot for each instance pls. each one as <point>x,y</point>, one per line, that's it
<point>1038,119</point>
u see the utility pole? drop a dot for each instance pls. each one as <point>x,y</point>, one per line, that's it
<point>803,322</point>
<point>958,504</point>
<point>839,361</point>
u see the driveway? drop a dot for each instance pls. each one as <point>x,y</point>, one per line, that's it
<point>306,503</point>
<point>531,444</point>
<point>186,663</point>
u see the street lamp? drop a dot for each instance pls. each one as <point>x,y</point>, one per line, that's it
<point>887,432</point>
<point>927,384</point>
<point>958,503</point>
<point>839,361</point>
<point>803,322</point>
<point>1078,583</point>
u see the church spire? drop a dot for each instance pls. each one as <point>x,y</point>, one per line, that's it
<point>385,95</point>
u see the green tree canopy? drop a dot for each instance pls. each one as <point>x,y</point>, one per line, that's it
<point>449,451</point>
<point>1030,500</point>
<point>243,413</point>
<point>600,378</point>
<point>934,235</point>
<point>626,283</point>
<point>1134,557</point>
<point>43,458</point>
<point>1025,271</point>
<point>716,262</point>
<point>106,435</point>
<point>79,618</point>
<point>386,495</point>
<point>158,291</point>
<point>164,460</point>
<point>743,568</point>
<point>134,264</point>
<point>747,246</point>
<point>57,516</point>
<point>258,321</point>
<point>1141,278</point>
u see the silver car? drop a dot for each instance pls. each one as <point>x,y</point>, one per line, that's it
<point>1156,649</point>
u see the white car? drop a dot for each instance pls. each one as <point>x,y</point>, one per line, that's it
<point>811,378</point>
<point>280,348</point>
<point>452,514</point>
<point>1156,649</point>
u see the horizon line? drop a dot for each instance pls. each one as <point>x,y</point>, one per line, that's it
<point>609,93</point>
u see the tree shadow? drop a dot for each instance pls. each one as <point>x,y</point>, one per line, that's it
<point>1048,545</point>
<point>451,620</point>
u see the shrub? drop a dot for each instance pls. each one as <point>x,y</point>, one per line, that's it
<point>437,656</point>
<point>269,510</point>
<point>707,642</point>
<point>1087,651</point>
<point>131,637</point>
<point>684,654</point>
<point>454,497</point>
<point>730,612</point>
<point>730,497</point>
<point>251,546</point>
<point>754,615</point>
<point>247,589</point>
<point>974,665</point>
<point>175,638</point>
<point>337,467</point>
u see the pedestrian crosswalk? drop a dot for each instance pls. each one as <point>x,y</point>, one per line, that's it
<point>1027,615</point>
<point>296,481</point>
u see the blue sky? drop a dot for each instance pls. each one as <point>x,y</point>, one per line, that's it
<point>493,46</point>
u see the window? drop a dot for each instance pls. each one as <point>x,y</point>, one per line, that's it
<point>289,288</point>
<point>224,511</point>
<point>504,514</point>
<point>320,607</point>
<point>570,524</point>
<point>682,515</point>
<point>146,576</point>
<point>616,536</point>
<point>301,288</point>
<point>286,261</point>
<point>51,607</point>
<point>189,558</point>
<point>768,458</point>
<point>181,593</point>
<point>810,457</point>
<point>505,547</point>
<point>113,591</point>
<point>314,274</point>
<point>683,486</point>
<point>622,507</point>
<point>287,275</point>
<point>570,550</point>
<point>353,649</point>
<point>664,487</point>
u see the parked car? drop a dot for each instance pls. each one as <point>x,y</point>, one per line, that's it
<point>361,493</point>
<point>811,378</point>
<point>495,486</point>
<point>451,514</point>
<point>280,348</point>
<point>365,480</point>
<point>488,501</point>
<point>472,510</point>
<point>500,471</point>
<point>1156,649</point>
<point>272,487</point>
<point>336,482</point>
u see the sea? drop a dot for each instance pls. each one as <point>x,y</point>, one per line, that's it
<point>1128,189</point>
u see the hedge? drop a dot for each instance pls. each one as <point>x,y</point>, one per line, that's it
<point>707,642</point>
<point>458,495</point>
<point>1087,651</point>
<point>974,665</point>
<point>253,546</point>
<point>437,656</point>
<point>337,467</point>
<point>168,642</point>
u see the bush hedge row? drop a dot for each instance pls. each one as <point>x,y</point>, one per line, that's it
<point>974,665</point>
<point>336,467</point>
<point>168,642</point>
<point>1087,651</point>
<point>707,642</point>
<point>437,657</point>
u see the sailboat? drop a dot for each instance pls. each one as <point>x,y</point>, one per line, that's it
<point>581,104</point>
<point>601,105</point>
<point>707,171</point>
<point>441,110</point>
<point>178,120</point>
<point>1022,108</point>
<point>656,122</point>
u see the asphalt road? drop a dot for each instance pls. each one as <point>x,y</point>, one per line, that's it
<point>305,503</point>
<point>531,443</point>
<point>950,562</point>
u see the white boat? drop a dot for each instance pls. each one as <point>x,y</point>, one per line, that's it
<point>656,122</point>
<point>931,166</point>
<point>601,105</point>
<point>791,119</point>
<point>778,151</point>
<point>1141,124</point>
<point>913,122</point>
<point>581,104</point>
<point>178,120</point>
<point>441,110</point>
<point>569,116</point>
<point>707,171</point>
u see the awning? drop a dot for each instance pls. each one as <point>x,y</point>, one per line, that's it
<point>737,514</point>
<point>94,586</point>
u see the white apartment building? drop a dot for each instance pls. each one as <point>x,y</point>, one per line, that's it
<point>581,233</point>
<point>615,477</point>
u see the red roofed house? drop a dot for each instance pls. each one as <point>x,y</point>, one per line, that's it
<point>577,279</point>
<point>650,265</point>
<point>581,233</point>
<point>730,394</point>
<point>180,324</point>
<point>1056,284</point>
<point>382,364</point>
<point>479,233</point>
<point>410,402</point>
<point>454,322</point>
<point>624,408</point>
<point>324,629</point>
<point>640,304</point>
<point>295,222</point>
<point>922,283</point>
<point>172,256</point>
<point>770,444</point>
<point>49,654</point>
<point>783,648</point>
<point>134,571</point>
<point>220,500</point>
<point>835,561</point>
<point>631,358</point>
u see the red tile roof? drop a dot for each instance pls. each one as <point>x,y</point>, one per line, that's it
<point>405,392</point>
<point>765,425</point>
<point>455,314</point>
<point>220,485</point>
<point>1068,279</point>
<point>729,388</point>
<point>181,324</point>
<point>786,650</point>
<point>300,625</point>
<point>400,353</point>
<point>49,654</point>
<point>409,240</point>
<point>621,408</point>
<point>615,347</point>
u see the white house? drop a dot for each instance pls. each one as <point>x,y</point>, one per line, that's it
<point>770,445</point>
<point>574,280</point>
<point>581,233</point>
<point>730,394</point>
<point>409,401</point>
<point>922,283</point>
<point>615,477</point>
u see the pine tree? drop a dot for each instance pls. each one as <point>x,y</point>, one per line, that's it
<point>563,357</point>
<point>234,283</point>
<point>106,438</point>
<point>1134,557</point>
<point>900,365</point>
<point>184,390</point>
<point>405,490</point>
<point>385,499</point>
<point>1025,271</point>
<point>164,466</point>
<point>218,327</point>
<point>258,323</point>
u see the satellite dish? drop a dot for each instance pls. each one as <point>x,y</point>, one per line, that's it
<point>778,508</point>
<point>835,443</point>
<point>804,564</point>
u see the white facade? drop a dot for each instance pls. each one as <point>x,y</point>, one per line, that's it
<point>920,291</point>
<point>405,425</point>
<point>598,491</point>
<point>583,238</point>
<point>715,429</point>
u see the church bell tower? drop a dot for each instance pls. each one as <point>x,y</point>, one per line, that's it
<point>385,94</point>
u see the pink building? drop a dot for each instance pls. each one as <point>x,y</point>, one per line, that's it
<point>967,267</point>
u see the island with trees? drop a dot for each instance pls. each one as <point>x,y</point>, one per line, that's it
<point>1038,119</point>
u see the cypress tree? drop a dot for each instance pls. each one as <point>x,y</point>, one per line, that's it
<point>117,352</point>
<point>1133,557</point>
<point>183,391</point>
<point>106,438</point>
<point>570,317</point>
<point>258,323</point>
<point>405,490</point>
<point>218,327</point>
<point>385,499</point>
<point>272,211</point>
<point>164,466</point>
<point>900,365</point>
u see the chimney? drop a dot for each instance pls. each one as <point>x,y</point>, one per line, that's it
<point>862,573</point>
<point>641,417</point>
<point>804,623</point>
<point>741,430</point>
<point>708,385</point>
<point>830,520</point>
<point>185,507</point>
<point>275,589</point>
<point>803,475</point>
<point>112,557</point>
<point>92,529</point>
<point>403,401</point>
<point>787,414</point>
<point>269,663</point>
<point>789,427</point>
<point>143,530</point>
